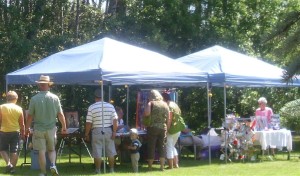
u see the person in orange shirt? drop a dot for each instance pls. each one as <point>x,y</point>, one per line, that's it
<point>12,128</point>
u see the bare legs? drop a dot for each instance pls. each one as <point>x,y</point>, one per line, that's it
<point>10,160</point>
<point>42,161</point>
<point>111,162</point>
<point>150,162</point>
<point>175,161</point>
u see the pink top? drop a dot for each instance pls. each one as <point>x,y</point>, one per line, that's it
<point>267,112</point>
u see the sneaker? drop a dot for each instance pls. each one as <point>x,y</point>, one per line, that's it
<point>54,171</point>
<point>8,169</point>
<point>97,171</point>
<point>12,170</point>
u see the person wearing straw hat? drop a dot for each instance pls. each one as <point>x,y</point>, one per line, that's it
<point>11,127</point>
<point>44,108</point>
<point>103,134</point>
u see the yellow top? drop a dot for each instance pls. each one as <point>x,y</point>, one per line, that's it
<point>10,117</point>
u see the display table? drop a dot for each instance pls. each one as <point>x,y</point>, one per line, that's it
<point>68,139</point>
<point>279,138</point>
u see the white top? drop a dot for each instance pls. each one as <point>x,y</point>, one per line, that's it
<point>94,114</point>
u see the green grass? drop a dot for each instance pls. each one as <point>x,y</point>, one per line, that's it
<point>188,166</point>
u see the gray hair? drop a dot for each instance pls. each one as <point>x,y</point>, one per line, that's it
<point>11,95</point>
<point>155,95</point>
<point>262,100</point>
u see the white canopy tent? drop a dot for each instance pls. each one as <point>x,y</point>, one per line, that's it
<point>229,68</point>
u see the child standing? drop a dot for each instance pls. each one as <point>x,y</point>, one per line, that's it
<point>134,149</point>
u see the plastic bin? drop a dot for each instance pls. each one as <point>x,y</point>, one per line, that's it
<point>35,160</point>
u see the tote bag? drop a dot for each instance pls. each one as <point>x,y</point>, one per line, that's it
<point>177,124</point>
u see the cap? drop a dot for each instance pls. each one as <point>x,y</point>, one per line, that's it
<point>134,131</point>
<point>98,93</point>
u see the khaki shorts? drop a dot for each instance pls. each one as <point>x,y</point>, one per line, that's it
<point>44,140</point>
<point>100,140</point>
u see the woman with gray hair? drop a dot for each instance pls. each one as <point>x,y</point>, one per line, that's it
<point>263,113</point>
<point>158,111</point>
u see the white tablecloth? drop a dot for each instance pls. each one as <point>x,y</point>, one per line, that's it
<point>140,132</point>
<point>279,138</point>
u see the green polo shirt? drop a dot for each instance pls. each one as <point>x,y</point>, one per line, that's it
<point>44,108</point>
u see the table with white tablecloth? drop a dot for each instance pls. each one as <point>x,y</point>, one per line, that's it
<point>279,138</point>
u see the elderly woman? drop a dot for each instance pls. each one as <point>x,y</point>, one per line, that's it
<point>158,111</point>
<point>264,113</point>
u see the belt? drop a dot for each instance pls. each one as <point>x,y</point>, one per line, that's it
<point>103,127</point>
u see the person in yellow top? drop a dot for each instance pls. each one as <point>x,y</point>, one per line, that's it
<point>11,129</point>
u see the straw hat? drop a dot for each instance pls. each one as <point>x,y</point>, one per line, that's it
<point>44,79</point>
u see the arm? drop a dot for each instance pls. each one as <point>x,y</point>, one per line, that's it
<point>28,124</point>
<point>147,110</point>
<point>62,120</point>
<point>115,127</point>
<point>169,120</point>
<point>88,127</point>
<point>132,147</point>
<point>0,117</point>
<point>22,126</point>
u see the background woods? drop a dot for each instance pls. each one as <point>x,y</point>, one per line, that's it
<point>33,29</point>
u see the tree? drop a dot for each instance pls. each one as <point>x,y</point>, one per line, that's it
<point>283,41</point>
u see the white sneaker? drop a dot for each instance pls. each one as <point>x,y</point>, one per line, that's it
<point>54,171</point>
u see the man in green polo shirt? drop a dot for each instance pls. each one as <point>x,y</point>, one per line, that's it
<point>44,108</point>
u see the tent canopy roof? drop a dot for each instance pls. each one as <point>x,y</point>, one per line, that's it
<point>235,69</point>
<point>111,61</point>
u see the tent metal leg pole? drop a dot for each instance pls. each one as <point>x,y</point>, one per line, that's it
<point>102,111</point>
<point>226,155</point>
<point>127,104</point>
<point>209,117</point>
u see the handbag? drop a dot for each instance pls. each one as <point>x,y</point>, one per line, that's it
<point>146,121</point>
<point>177,124</point>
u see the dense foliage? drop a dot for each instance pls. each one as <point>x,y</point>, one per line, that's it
<point>33,29</point>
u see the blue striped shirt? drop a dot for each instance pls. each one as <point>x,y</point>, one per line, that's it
<point>94,114</point>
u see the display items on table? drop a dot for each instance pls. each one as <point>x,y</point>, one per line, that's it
<point>275,122</point>
<point>237,139</point>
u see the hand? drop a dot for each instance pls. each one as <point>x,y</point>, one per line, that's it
<point>27,132</point>
<point>87,138</point>
<point>63,131</point>
<point>113,136</point>
<point>23,137</point>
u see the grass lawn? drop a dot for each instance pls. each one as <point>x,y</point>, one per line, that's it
<point>188,166</point>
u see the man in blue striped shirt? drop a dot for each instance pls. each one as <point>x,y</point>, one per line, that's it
<point>102,134</point>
